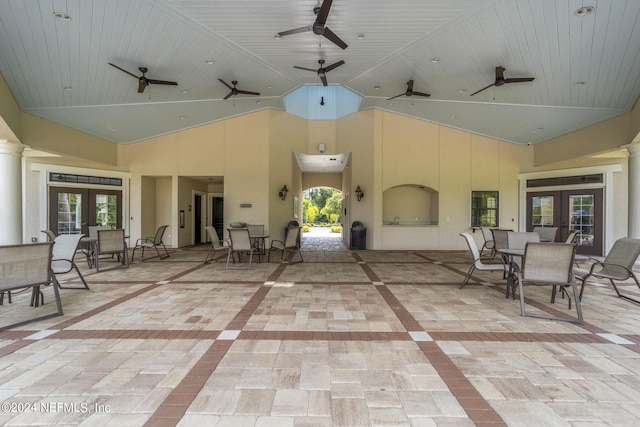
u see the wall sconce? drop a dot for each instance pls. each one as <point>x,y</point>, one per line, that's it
<point>359,193</point>
<point>283,193</point>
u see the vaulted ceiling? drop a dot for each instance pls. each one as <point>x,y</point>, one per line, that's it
<point>55,55</point>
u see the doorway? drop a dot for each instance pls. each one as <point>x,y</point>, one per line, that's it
<point>197,219</point>
<point>217,215</point>
<point>73,210</point>
<point>570,210</point>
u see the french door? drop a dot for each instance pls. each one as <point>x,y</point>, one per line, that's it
<point>569,210</point>
<point>73,210</point>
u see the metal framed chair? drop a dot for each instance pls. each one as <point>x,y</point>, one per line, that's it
<point>154,242</point>
<point>64,250</point>
<point>548,264</point>
<point>616,266</point>
<point>290,244</point>
<point>488,239</point>
<point>478,262</point>
<point>240,243</point>
<point>547,234</point>
<point>216,244</point>
<point>111,242</point>
<point>28,266</point>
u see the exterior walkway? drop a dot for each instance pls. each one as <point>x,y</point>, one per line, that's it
<point>344,339</point>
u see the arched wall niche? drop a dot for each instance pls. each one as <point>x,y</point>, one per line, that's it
<point>410,205</point>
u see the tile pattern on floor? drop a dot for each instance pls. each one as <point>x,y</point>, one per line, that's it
<point>347,338</point>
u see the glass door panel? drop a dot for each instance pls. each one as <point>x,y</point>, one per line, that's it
<point>581,214</point>
<point>542,211</point>
<point>68,214</point>
<point>105,208</point>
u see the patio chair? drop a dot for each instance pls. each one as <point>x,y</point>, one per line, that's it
<point>478,262</point>
<point>64,250</point>
<point>547,234</point>
<point>152,243</point>
<point>488,239</point>
<point>28,266</point>
<point>617,265</point>
<point>290,243</point>
<point>548,264</point>
<point>216,244</point>
<point>111,242</point>
<point>240,243</point>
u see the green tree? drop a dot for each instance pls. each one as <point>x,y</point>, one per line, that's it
<point>309,211</point>
<point>333,207</point>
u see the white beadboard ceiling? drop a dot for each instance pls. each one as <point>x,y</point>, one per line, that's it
<point>586,69</point>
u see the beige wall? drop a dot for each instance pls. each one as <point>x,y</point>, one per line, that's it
<point>10,114</point>
<point>253,153</point>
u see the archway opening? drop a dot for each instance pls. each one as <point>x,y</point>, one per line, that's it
<point>322,209</point>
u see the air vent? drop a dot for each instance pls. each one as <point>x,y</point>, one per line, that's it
<point>596,178</point>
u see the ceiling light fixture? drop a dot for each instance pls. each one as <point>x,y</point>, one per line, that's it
<point>210,62</point>
<point>584,11</point>
<point>182,117</point>
<point>435,60</point>
<point>580,83</point>
<point>376,87</point>
<point>184,91</point>
<point>67,88</point>
<point>360,36</point>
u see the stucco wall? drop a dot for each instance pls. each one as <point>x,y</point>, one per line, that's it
<point>254,155</point>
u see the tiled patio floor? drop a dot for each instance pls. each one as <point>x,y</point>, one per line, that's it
<point>344,339</point>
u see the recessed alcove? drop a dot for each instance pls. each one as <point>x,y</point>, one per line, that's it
<point>410,205</point>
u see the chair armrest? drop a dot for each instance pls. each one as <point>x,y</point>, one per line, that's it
<point>603,265</point>
<point>279,244</point>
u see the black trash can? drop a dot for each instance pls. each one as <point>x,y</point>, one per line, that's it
<point>292,224</point>
<point>358,236</point>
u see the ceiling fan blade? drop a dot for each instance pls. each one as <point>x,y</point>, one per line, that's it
<point>227,85</point>
<point>421,94</point>
<point>520,80</point>
<point>334,38</point>
<point>394,97</point>
<point>162,82</point>
<point>295,31</point>
<point>323,78</point>
<point>246,92</point>
<point>333,66</point>
<point>323,13</point>
<point>228,95</point>
<point>303,68</point>
<point>142,84</point>
<point>123,70</point>
<point>487,87</point>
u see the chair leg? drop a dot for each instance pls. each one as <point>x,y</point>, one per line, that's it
<point>228,257</point>
<point>468,276</point>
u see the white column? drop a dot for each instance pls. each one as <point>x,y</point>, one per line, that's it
<point>10,193</point>
<point>634,190</point>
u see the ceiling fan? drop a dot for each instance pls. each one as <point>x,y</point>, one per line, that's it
<point>410,91</point>
<point>500,80</point>
<point>235,90</point>
<point>322,71</point>
<point>318,26</point>
<point>143,81</point>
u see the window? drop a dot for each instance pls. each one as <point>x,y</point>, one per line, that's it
<point>484,209</point>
